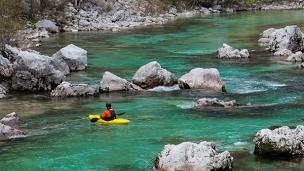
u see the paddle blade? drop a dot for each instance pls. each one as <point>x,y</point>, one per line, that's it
<point>94,119</point>
<point>121,113</point>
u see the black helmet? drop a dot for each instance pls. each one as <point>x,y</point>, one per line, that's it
<point>108,104</point>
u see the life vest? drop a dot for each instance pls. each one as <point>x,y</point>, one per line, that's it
<point>113,116</point>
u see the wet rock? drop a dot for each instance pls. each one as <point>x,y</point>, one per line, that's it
<point>193,157</point>
<point>282,141</point>
<point>201,78</point>
<point>152,75</point>
<point>111,82</point>
<point>66,89</point>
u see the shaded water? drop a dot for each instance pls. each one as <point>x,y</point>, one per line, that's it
<point>60,136</point>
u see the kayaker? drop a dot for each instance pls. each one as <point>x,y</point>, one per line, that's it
<point>108,114</point>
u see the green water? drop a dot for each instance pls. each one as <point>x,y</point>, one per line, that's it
<point>60,136</point>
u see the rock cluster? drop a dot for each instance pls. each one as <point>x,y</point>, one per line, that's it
<point>227,51</point>
<point>152,75</point>
<point>29,70</point>
<point>287,42</point>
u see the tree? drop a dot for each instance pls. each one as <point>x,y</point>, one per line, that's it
<point>77,4</point>
<point>10,13</point>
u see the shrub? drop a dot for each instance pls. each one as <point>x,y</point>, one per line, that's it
<point>9,21</point>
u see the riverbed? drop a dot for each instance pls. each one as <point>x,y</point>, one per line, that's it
<point>61,137</point>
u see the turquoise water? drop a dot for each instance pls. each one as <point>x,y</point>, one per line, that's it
<point>60,136</point>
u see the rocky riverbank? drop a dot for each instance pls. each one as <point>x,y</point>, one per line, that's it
<point>124,15</point>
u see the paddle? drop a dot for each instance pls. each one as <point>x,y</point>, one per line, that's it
<point>96,119</point>
<point>121,113</point>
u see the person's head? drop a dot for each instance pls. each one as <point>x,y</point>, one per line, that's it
<point>108,105</point>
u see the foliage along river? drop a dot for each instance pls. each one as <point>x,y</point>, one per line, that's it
<point>60,136</point>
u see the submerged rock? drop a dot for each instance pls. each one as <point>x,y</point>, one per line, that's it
<point>6,131</point>
<point>282,141</point>
<point>204,102</point>
<point>11,117</point>
<point>193,157</point>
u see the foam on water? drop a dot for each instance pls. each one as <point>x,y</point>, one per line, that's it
<point>165,88</point>
<point>245,85</point>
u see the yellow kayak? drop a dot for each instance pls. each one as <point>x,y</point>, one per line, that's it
<point>96,118</point>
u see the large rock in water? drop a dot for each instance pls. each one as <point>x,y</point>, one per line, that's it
<point>66,89</point>
<point>290,37</point>
<point>111,82</point>
<point>189,156</point>
<point>282,141</point>
<point>72,56</point>
<point>34,72</point>
<point>152,75</point>
<point>201,78</point>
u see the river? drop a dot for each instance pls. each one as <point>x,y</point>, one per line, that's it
<point>61,137</point>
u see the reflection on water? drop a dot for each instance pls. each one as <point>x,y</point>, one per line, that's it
<point>61,137</point>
